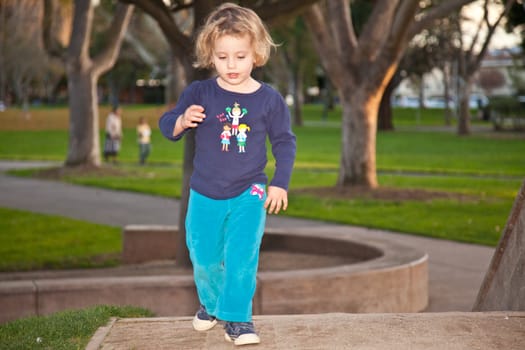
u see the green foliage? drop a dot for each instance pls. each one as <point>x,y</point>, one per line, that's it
<point>507,113</point>
<point>65,330</point>
<point>507,106</point>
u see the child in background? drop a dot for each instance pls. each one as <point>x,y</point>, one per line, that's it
<point>144,140</point>
<point>113,134</point>
<point>229,190</point>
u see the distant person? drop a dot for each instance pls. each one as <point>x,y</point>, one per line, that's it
<point>113,135</point>
<point>144,140</point>
<point>230,194</point>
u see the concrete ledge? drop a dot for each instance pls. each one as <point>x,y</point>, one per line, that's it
<point>17,299</point>
<point>141,243</point>
<point>423,331</point>
<point>388,277</point>
<point>165,295</point>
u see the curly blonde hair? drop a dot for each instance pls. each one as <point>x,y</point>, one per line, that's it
<point>232,19</point>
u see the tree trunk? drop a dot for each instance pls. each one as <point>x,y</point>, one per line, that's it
<point>384,119</point>
<point>358,154</point>
<point>176,79</point>
<point>464,110</point>
<point>84,144</point>
<point>446,86</point>
<point>298,99</point>
<point>83,73</point>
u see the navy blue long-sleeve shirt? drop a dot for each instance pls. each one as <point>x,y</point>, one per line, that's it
<point>230,152</point>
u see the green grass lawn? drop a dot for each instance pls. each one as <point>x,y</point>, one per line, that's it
<point>67,330</point>
<point>30,241</point>
<point>481,175</point>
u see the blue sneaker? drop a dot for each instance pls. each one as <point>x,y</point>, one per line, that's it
<point>241,333</point>
<point>202,321</point>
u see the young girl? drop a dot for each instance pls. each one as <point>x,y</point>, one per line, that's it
<point>228,197</point>
<point>144,140</point>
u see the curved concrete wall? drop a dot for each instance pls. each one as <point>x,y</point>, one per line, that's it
<point>390,278</point>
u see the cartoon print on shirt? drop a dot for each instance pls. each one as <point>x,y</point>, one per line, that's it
<point>225,137</point>
<point>235,114</point>
<point>241,137</point>
<point>231,127</point>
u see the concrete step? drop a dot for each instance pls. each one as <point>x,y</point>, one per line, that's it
<point>415,331</point>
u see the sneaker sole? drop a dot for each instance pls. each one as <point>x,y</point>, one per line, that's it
<point>201,325</point>
<point>245,339</point>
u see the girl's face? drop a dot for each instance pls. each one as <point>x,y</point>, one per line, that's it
<point>233,58</point>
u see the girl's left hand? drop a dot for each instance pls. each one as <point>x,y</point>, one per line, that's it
<point>276,199</point>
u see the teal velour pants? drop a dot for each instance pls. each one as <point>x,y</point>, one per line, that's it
<point>224,237</point>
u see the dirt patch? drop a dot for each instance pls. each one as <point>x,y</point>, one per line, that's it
<point>269,261</point>
<point>283,261</point>
<point>346,193</point>
<point>60,173</point>
<point>381,193</point>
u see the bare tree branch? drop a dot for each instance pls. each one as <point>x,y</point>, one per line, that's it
<point>80,36</point>
<point>323,42</point>
<point>491,28</point>
<point>341,27</point>
<point>427,18</point>
<point>474,42</point>
<point>158,10</point>
<point>373,36</point>
<point>273,11</point>
<point>106,59</point>
<point>180,5</point>
<point>51,44</point>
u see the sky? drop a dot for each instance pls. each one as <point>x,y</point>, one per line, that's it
<point>501,38</point>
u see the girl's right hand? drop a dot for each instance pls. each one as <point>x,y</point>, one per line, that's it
<point>193,115</point>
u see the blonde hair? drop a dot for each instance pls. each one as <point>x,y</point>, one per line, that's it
<point>232,19</point>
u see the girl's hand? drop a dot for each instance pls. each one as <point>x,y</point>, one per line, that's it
<point>193,115</point>
<point>191,118</point>
<point>276,199</point>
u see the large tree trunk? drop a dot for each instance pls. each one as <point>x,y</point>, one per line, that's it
<point>358,153</point>
<point>84,142</point>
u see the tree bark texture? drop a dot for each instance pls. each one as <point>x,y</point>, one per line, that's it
<point>84,144</point>
<point>464,109</point>
<point>385,121</point>
<point>358,151</point>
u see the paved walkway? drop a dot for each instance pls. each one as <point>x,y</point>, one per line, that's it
<point>428,331</point>
<point>456,270</point>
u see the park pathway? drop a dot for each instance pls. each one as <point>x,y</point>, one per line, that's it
<point>456,270</point>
